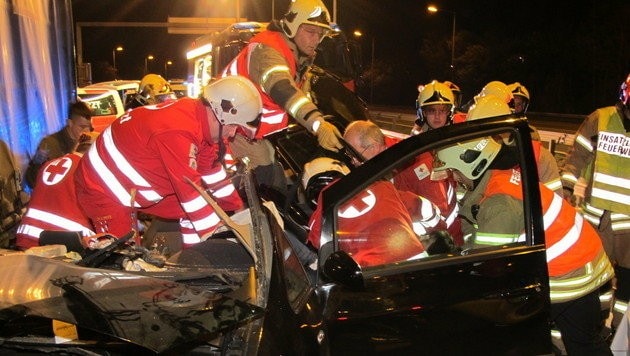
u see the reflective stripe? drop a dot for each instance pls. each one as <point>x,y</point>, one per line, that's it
<point>29,230</point>
<point>127,169</point>
<point>195,204</point>
<point>567,241</point>
<point>206,223</point>
<point>497,239</point>
<point>191,238</point>
<point>295,107</point>
<point>58,221</point>
<point>592,276</point>
<point>612,180</point>
<point>418,228</point>
<point>554,184</point>
<point>108,178</point>
<point>272,116</point>
<point>608,195</point>
<point>552,212</point>
<point>620,306</point>
<point>213,178</point>
<point>451,217</point>
<point>584,142</point>
<point>224,192</point>
<point>569,177</point>
<point>277,68</point>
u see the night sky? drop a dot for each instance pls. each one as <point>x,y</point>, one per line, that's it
<point>572,56</point>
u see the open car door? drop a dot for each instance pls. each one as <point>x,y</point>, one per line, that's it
<point>493,300</point>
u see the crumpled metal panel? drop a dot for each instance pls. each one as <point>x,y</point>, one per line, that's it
<point>153,313</point>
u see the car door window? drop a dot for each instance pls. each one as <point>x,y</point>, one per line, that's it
<point>444,202</point>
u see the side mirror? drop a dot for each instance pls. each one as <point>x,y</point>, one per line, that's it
<point>341,268</point>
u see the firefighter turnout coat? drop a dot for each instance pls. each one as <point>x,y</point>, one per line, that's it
<point>576,259</point>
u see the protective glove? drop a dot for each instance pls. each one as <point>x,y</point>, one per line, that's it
<point>327,134</point>
<point>579,191</point>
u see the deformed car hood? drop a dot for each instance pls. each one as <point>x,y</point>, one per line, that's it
<point>154,313</point>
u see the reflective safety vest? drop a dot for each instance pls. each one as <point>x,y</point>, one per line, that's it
<point>611,183</point>
<point>274,117</point>
<point>576,259</point>
<point>607,177</point>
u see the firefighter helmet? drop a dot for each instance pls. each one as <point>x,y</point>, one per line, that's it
<point>624,92</point>
<point>235,101</point>
<point>432,94</point>
<point>498,89</point>
<point>318,173</point>
<point>487,106</point>
<point>457,93</point>
<point>470,158</point>
<point>154,89</point>
<point>519,90</point>
<point>311,12</point>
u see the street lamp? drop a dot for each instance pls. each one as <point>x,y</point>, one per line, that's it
<point>117,49</point>
<point>434,9</point>
<point>146,64</point>
<point>166,64</point>
<point>359,34</point>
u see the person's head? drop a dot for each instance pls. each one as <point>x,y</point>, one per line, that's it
<point>318,173</point>
<point>306,23</point>
<point>521,97</point>
<point>457,93</point>
<point>154,89</point>
<point>435,105</point>
<point>236,103</point>
<point>79,119</point>
<point>498,89</point>
<point>490,106</point>
<point>366,138</point>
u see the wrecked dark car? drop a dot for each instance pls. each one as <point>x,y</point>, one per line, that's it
<point>266,300</point>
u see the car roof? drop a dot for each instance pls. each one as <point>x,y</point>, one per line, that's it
<point>116,84</point>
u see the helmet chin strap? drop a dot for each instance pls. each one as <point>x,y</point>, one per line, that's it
<point>222,148</point>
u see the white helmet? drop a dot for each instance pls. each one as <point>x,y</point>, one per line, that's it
<point>498,89</point>
<point>470,158</point>
<point>311,12</point>
<point>432,94</point>
<point>318,173</point>
<point>235,101</point>
<point>487,106</point>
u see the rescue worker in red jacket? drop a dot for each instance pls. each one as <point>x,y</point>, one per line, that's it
<point>141,163</point>
<point>368,140</point>
<point>576,261</point>
<point>53,204</point>
<point>380,224</point>
<point>595,175</point>
<point>274,60</point>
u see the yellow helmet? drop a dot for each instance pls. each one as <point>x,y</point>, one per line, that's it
<point>154,89</point>
<point>487,106</point>
<point>432,94</point>
<point>311,12</point>
<point>498,89</point>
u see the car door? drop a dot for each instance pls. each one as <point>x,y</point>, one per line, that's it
<point>460,301</point>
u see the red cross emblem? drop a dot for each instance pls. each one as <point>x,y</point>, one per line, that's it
<point>56,170</point>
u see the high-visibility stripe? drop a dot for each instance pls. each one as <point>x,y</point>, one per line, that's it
<point>608,195</point>
<point>59,221</point>
<point>278,68</point>
<point>295,107</point>
<point>29,230</point>
<point>612,180</point>
<point>206,222</point>
<point>195,204</point>
<point>584,142</point>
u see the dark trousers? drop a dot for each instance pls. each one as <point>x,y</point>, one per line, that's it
<point>580,323</point>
